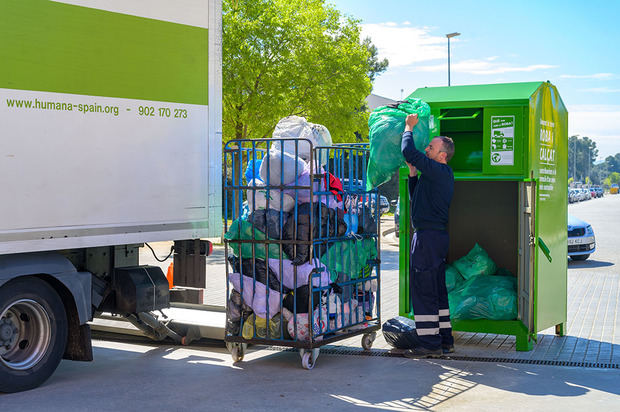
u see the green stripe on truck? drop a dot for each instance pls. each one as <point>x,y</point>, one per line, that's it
<point>55,47</point>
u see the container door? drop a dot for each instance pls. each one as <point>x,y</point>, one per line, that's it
<point>548,156</point>
<point>527,194</point>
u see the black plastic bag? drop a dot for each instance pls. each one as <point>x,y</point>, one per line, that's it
<point>326,222</point>
<point>400,332</point>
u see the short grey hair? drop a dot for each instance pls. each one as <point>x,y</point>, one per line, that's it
<point>448,147</point>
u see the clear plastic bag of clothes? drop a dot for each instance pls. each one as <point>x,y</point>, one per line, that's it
<point>275,329</point>
<point>386,126</point>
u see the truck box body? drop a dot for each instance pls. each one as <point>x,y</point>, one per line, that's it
<point>111,122</point>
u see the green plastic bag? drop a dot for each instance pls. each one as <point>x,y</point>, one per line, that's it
<point>503,272</point>
<point>453,278</point>
<point>476,262</point>
<point>386,126</point>
<point>349,257</point>
<point>242,230</point>
<point>485,297</point>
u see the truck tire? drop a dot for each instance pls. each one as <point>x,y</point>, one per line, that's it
<point>33,333</point>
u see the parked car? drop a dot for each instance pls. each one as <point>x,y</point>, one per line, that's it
<point>585,194</point>
<point>593,194</point>
<point>581,240</point>
<point>573,196</point>
<point>397,216</point>
<point>358,185</point>
<point>599,191</point>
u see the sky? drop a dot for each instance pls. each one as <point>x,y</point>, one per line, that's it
<point>574,45</point>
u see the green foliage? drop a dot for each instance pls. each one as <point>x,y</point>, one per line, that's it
<point>602,171</point>
<point>294,57</point>
<point>581,155</point>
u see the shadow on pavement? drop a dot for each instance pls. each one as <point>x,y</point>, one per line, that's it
<point>196,378</point>
<point>590,263</point>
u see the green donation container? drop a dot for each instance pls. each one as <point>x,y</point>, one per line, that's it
<point>510,196</point>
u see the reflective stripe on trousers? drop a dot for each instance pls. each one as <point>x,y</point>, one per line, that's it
<point>428,293</point>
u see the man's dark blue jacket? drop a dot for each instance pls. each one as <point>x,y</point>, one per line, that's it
<point>431,193</point>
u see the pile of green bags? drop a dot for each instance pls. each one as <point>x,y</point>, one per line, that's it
<point>478,290</point>
<point>476,262</point>
<point>386,126</point>
<point>453,278</point>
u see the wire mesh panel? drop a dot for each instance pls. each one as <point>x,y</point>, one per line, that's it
<point>302,243</point>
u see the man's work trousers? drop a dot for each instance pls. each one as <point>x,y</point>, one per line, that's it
<point>427,288</point>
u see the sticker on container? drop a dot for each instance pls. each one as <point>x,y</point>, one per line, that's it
<point>502,140</point>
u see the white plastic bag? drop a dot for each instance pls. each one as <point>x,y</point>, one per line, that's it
<point>257,199</point>
<point>295,127</point>
<point>282,167</point>
<point>322,138</point>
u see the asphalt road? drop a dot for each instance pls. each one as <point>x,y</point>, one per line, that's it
<point>127,377</point>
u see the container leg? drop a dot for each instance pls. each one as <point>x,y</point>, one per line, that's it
<point>559,329</point>
<point>524,342</point>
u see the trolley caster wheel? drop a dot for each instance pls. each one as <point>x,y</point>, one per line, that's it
<point>308,357</point>
<point>368,339</point>
<point>237,350</point>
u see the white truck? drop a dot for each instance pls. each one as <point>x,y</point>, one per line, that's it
<point>110,136</point>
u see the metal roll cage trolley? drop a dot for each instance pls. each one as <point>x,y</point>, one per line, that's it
<point>342,262</point>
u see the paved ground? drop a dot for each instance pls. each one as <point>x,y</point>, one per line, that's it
<point>126,376</point>
<point>593,327</point>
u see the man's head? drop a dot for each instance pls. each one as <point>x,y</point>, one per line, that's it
<point>440,149</point>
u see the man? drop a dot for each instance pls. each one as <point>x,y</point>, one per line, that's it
<point>430,196</point>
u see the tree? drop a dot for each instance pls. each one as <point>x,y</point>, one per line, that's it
<point>613,163</point>
<point>582,153</point>
<point>375,67</point>
<point>294,57</point>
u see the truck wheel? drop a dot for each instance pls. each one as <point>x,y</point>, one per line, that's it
<point>33,333</point>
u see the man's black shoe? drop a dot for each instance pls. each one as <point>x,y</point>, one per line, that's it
<point>447,349</point>
<point>422,353</point>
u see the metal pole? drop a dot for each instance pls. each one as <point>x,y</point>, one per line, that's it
<point>589,163</point>
<point>448,61</point>
<point>449,35</point>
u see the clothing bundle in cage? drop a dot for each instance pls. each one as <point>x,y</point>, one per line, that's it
<point>304,261</point>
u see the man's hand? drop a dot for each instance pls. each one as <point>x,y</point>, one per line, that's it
<point>412,170</point>
<point>410,122</point>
